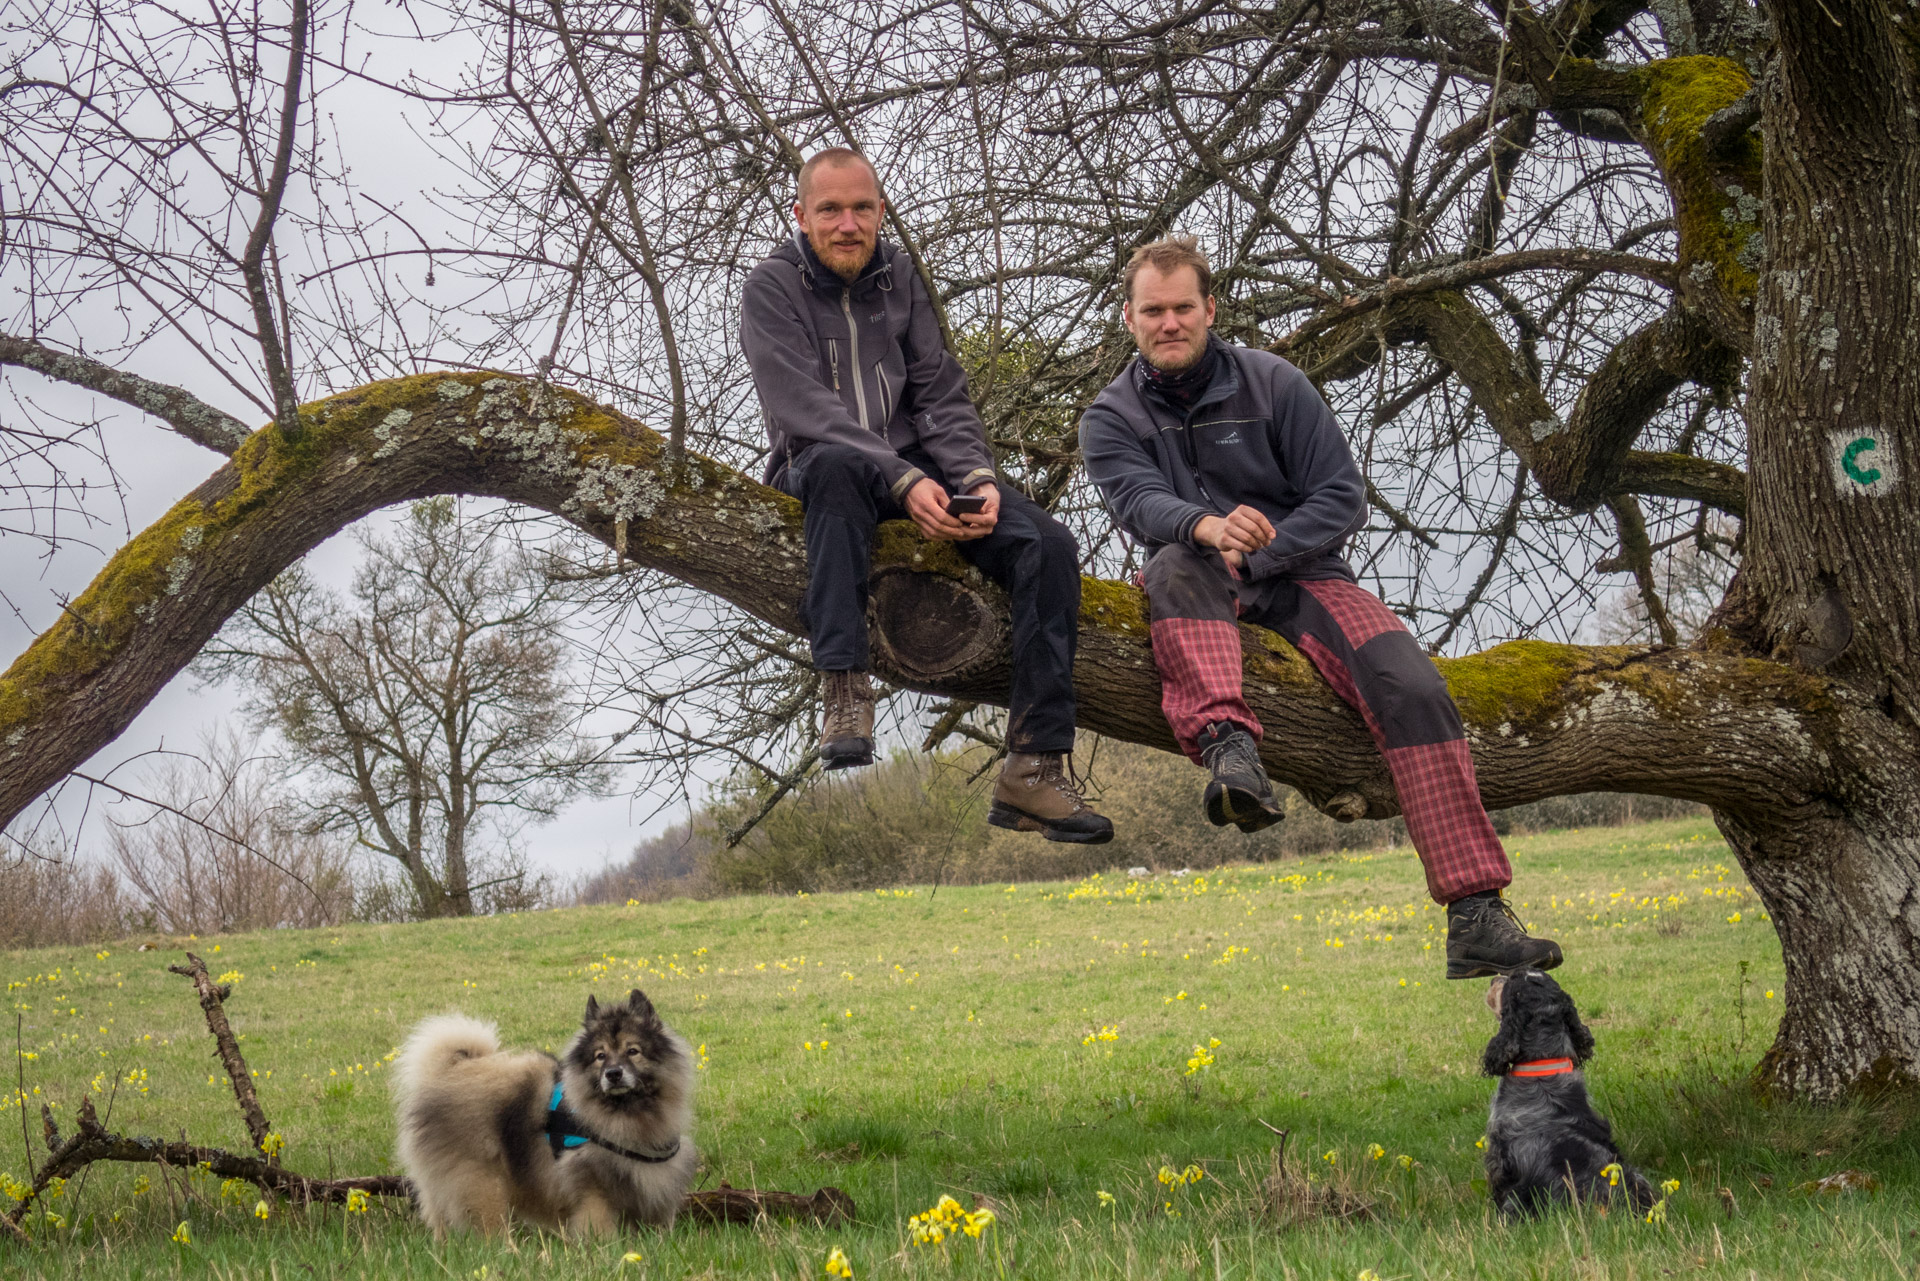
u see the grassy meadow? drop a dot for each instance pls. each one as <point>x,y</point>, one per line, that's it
<point>1044,1050</point>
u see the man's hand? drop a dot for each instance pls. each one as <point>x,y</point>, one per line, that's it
<point>1237,535</point>
<point>927,504</point>
<point>989,516</point>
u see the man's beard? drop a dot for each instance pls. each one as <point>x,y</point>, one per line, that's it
<point>1181,364</point>
<point>846,262</point>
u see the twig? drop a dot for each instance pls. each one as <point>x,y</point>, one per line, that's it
<point>212,996</point>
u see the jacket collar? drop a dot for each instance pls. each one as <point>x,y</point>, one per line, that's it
<point>817,276</point>
<point>1225,384</point>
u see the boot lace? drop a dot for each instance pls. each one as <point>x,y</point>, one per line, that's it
<point>1058,773</point>
<point>1498,913</point>
<point>1233,754</point>
<point>845,692</point>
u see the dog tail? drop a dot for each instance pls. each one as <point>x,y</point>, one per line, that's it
<point>436,1045</point>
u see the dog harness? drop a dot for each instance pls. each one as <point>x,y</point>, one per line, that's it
<point>1538,1067</point>
<point>564,1131</point>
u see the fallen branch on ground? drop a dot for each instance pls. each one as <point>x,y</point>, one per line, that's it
<point>92,1141</point>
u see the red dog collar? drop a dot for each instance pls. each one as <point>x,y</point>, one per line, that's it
<point>1543,1067</point>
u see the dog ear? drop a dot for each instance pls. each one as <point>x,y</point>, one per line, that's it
<point>1503,1051</point>
<point>593,1011</point>
<point>1577,1033</point>
<point>642,1008</point>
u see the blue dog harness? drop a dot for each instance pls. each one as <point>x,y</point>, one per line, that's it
<point>564,1131</point>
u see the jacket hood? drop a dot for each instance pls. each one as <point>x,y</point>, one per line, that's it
<point>816,275</point>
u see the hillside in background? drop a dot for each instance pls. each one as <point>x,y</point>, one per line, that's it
<point>921,819</point>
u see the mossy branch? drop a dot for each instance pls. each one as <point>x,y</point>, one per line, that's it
<point>1546,719</point>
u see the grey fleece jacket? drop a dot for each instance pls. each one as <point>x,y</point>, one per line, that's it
<point>1259,435</point>
<point>858,364</point>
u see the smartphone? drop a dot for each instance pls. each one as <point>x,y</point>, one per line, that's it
<point>966,504</point>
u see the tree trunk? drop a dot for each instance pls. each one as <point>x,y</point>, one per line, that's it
<point>1843,902</point>
<point>1832,551</point>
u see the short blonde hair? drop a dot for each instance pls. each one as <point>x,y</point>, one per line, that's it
<point>1167,256</point>
<point>835,157</point>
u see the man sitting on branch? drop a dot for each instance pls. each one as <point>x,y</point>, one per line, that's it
<point>868,419</point>
<point>1227,463</point>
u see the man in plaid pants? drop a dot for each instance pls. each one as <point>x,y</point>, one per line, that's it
<point>1227,463</point>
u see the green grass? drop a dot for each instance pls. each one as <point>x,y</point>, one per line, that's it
<point>949,1056</point>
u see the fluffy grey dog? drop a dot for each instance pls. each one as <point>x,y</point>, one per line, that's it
<point>584,1144</point>
<point>1545,1143</point>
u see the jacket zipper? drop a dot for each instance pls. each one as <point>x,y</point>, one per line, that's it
<point>833,359</point>
<point>1191,448</point>
<point>853,344</point>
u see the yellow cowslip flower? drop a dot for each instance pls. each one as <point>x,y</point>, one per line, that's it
<point>838,1264</point>
<point>261,1210</point>
<point>1330,1156</point>
<point>140,1185</point>
<point>1480,1142</point>
<point>1367,1274</point>
<point>356,1201</point>
<point>1405,1162</point>
<point>1375,1151</point>
<point>1658,1214</point>
<point>1670,1187</point>
<point>979,1221</point>
<point>1106,1198</point>
<point>181,1236</point>
<point>632,1256</point>
<point>1612,1171</point>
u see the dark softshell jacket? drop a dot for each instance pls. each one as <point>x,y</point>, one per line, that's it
<point>1259,435</point>
<point>860,365</point>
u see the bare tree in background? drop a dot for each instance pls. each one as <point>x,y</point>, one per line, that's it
<point>434,707</point>
<point>216,850</point>
<point>1579,278</point>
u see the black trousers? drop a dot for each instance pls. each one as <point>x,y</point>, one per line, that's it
<point>1029,553</point>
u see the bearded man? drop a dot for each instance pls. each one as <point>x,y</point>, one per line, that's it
<point>1227,463</point>
<point>867,420</point>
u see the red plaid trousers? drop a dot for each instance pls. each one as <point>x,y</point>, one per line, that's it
<point>1369,658</point>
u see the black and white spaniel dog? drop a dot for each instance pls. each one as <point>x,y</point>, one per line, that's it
<point>1545,1143</point>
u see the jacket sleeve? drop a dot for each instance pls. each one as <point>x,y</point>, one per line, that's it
<point>1140,497</point>
<point>1313,452</point>
<point>793,395</point>
<point>936,392</point>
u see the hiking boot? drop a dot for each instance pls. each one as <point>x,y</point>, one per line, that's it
<point>1240,792</point>
<point>1034,794</point>
<point>1485,938</point>
<point>846,722</point>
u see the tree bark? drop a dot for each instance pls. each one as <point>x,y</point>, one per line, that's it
<point>1832,553</point>
<point>1757,739</point>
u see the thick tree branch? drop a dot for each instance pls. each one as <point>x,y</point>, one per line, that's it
<point>1457,275</point>
<point>1570,463</point>
<point>1546,719</point>
<point>186,413</point>
<point>1581,465</point>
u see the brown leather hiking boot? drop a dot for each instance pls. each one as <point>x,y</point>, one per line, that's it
<point>1035,794</point>
<point>846,721</point>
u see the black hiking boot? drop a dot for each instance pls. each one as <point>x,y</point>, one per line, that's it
<point>1485,938</point>
<point>1240,792</point>
<point>1035,794</point>
<point>846,722</point>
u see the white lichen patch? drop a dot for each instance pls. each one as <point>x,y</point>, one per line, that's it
<point>1543,428</point>
<point>388,430</point>
<point>453,389</point>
